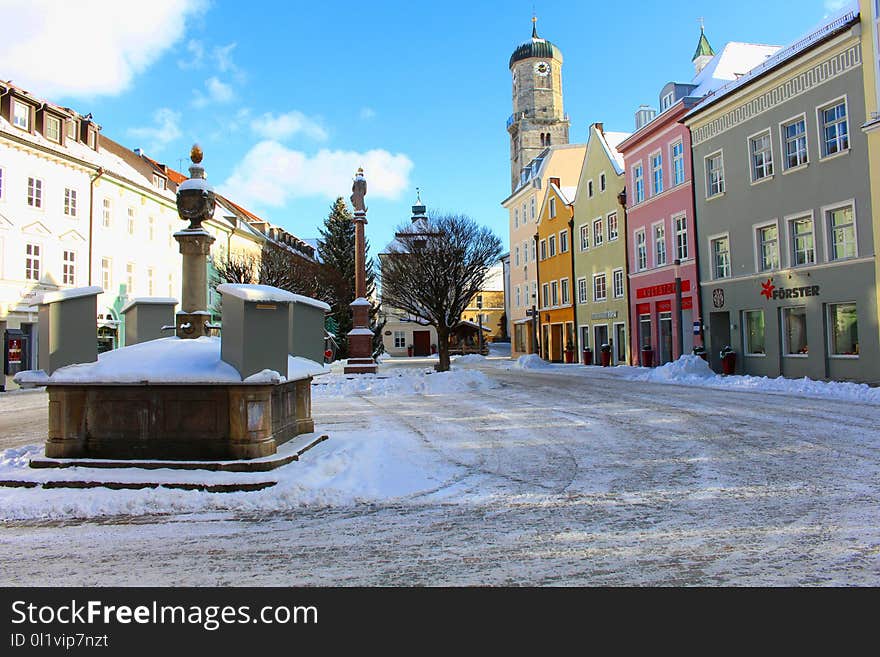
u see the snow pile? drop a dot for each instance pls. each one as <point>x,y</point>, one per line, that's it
<point>470,358</point>
<point>694,371</point>
<point>532,362</point>
<point>402,382</point>
<point>168,360</point>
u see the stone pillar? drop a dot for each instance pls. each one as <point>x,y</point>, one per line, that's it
<point>195,246</point>
<point>360,338</point>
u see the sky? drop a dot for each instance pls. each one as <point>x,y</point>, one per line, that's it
<point>289,98</point>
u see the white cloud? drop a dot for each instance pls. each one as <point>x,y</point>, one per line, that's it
<point>67,48</point>
<point>196,55</point>
<point>367,113</point>
<point>223,58</point>
<point>219,93</point>
<point>283,126</point>
<point>165,129</point>
<point>271,174</point>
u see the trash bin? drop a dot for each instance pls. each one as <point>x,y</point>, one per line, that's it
<point>728,360</point>
<point>588,356</point>
<point>647,356</point>
<point>701,352</point>
<point>606,355</point>
<point>569,355</point>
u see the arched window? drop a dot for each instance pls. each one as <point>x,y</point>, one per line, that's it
<point>542,140</point>
<point>548,139</point>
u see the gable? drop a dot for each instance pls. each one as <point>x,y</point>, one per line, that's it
<point>72,236</point>
<point>36,228</point>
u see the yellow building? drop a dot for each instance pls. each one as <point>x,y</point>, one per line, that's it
<point>487,306</point>
<point>556,310</point>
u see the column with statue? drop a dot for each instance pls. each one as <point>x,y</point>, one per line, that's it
<point>360,338</point>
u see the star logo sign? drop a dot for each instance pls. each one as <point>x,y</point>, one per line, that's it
<point>767,288</point>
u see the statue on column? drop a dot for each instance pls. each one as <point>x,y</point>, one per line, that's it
<point>358,191</point>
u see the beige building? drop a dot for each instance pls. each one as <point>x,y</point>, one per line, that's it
<point>487,306</point>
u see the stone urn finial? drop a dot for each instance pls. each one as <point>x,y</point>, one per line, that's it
<point>195,197</point>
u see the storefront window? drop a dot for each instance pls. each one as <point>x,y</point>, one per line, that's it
<point>795,323</point>
<point>753,325</point>
<point>843,330</point>
<point>645,330</point>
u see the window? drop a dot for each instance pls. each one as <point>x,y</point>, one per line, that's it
<point>677,163</point>
<point>151,228</point>
<point>843,329</point>
<point>601,182</point>
<point>93,139</point>
<point>842,232</point>
<point>399,340</point>
<point>638,184</point>
<point>753,329</point>
<point>52,128</point>
<point>656,174</point>
<point>761,156</point>
<point>598,232</point>
<point>69,268</point>
<point>590,188</point>
<point>21,115</point>
<point>516,218</point>
<point>585,237</point>
<point>545,294</point>
<point>714,175</point>
<point>158,181</point>
<point>516,257</point>
<point>599,291</point>
<point>666,101</point>
<point>150,273</point>
<point>35,192</point>
<point>795,338</point>
<point>835,130</point>
<point>582,290</point>
<point>532,214</point>
<point>32,262</point>
<point>129,277</point>
<point>617,279</point>
<point>641,250</point>
<point>801,231</point>
<point>612,227</point>
<point>563,241</point>
<point>525,252</point>
<point>554,292</point>
<point>659,245</point>
<point>566,295</point>
<point>105,218</point>
<point>70,202</point>
<point>131,221</point>
<point>552,207</point>
<point>681,237</point>
<point>768,247</point>
<point>534,246</point>
<point>794,138</point>
<point>518,296</point>
<point>551,243</point>
<point>720,257</point>
<point>106,279</point>
<point>71,129</point>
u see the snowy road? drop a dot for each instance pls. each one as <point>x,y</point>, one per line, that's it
<point>542,478</point>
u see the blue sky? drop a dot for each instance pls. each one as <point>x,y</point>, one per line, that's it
<point>288,98</point>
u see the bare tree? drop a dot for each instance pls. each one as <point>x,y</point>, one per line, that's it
<point>434,268</point>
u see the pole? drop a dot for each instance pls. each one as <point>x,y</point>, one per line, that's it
<point>536,343</point>
<point>480,318</point>
<point>679,334</point>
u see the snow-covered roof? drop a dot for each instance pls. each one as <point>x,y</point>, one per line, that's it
<point>168,361</point>
<point>567,192</point>
<point>141,301</point>
<point>72,293</point>
<point>268,293</point>
<point>610,141</point>
<point>466,322</point>
<point>733,62</point>
<point>494,281</point>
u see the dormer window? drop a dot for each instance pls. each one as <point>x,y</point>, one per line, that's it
<point>21,115</point>
<point>158,181</point>
<point>71,130</point>
<point>93,140</point>
<point>666,101</point>
<point>52,128</point>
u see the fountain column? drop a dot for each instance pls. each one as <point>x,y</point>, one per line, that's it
<point>360,338</point>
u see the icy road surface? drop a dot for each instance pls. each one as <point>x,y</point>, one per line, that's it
<point>530,477</point>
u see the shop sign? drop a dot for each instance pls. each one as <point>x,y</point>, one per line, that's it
<point>608,314</point>
<point>660,290</point>
<point>770,291</point>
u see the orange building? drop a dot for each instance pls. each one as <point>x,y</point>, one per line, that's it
<point>554,246</point>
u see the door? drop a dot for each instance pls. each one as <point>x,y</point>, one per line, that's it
<point>620,344</point>
<point>421,343</point>
<point>719,336</point>
<point>545,341</point>
<point>601,333</point>
<point>665,338</point>
<point>556,343</point>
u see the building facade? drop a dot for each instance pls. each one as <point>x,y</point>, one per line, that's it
<point>487,307</point>
<point>554,268</point>
<point>599,248</point>
<point>787,264</point>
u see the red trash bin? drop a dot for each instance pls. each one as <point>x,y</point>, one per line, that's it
<point>647,357</point>
<point>728,362</point>
<point>606,356</point>
<point>588,356</point>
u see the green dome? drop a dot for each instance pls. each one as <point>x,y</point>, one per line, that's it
<point>535,47</point>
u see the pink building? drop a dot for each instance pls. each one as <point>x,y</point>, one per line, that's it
<point>660,218</point>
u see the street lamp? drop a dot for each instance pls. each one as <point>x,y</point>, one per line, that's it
<point>535,346</point>
<point>679,334</point>
<point>480,318</point>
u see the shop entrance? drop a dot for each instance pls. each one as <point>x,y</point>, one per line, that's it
<point>719,336</point>
<point>556,343</point>
<point>665,338</point>
<point>620,341</point>
<point>600,331</point>
<point>421,343</point>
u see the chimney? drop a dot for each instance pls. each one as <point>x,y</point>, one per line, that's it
<point>644,115</point>
<point>555,181</point>
<point>138,151</point>
<point>600,128</point>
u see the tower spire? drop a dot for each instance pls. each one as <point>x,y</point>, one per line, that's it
<point>535,26</point>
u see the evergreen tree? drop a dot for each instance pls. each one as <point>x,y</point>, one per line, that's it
<point>336,251</point>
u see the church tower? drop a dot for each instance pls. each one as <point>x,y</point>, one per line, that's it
<point>538,118</point>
